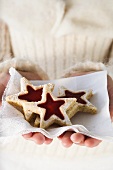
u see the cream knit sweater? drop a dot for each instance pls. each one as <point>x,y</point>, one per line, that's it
<point>57,35</point>
<point>56,38</point>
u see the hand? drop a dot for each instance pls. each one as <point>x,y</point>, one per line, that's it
<point>69,138</point>
<point>4,78</point>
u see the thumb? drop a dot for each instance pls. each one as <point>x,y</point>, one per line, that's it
<point>4,78</point>
<point>110,92</point>
<point>2,88</point>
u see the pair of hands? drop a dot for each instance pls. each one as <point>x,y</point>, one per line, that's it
<point>68,138</point>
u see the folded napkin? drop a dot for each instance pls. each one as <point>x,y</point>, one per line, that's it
<point>12,122</point>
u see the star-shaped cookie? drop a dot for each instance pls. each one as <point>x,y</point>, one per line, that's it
<point>82,103</point>
<point>27,98</point>
<point>54,110</point>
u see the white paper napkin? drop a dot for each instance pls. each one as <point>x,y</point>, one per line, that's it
<point>12,122</point>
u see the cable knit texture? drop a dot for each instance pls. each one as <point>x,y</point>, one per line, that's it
<point>54,57</point>
<point>32,41</point>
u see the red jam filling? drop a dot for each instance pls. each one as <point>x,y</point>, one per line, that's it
<point>69,94</point>
<point>32,95</point>
<point>52,107</point>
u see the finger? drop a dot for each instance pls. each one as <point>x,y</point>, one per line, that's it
<point>91,142</point>
<point>110,92</point>
<point>66,141</point>
<point>4,78</point>
<point>2,88</point>
<point>38,138</point>
<point>48,141</point>
<point>61,136</point>
<point>28,135</point>
<point>111,111</point>
<point>78,138</point>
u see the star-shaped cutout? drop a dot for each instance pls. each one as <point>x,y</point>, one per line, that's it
<point>77,95</point>
<point>27,98</point>
<point>82,103</point>
<point>31,95</point>
<point>52,107</point>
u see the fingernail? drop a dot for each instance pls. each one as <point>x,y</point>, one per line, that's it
<point>73,140</point>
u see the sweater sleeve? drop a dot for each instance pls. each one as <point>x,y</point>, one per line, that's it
<point>6,53</point>
<point>89,66</point>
